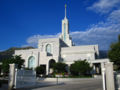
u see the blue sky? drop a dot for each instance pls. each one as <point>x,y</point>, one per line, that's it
<point>23,22</point>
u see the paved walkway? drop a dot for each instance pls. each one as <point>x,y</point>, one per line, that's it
<point>89,84</point>
<point>83,84</point>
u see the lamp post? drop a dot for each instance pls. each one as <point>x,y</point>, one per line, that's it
<point>57,79</point>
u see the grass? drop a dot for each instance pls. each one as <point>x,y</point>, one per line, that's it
<point>71,76</point>
<point>80,77</point>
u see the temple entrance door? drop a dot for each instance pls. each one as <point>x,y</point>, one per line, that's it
<point>51,64</point>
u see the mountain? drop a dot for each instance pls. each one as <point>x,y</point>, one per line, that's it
<point>103,54</point>
<point>8,53</point>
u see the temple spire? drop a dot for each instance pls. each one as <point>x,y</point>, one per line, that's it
<point>65,30</point>
<point>65,11</point>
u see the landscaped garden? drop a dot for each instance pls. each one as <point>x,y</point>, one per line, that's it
<point>79,69</point>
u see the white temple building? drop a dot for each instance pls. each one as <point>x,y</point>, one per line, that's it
<point>60,49</point>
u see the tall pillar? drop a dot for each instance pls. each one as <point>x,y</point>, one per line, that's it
<point>103,75</point>
<point>109,76</point>
<point>91,64</point>
<point>11,76</point>
<point>103,78</point>
<point>68,69</point>
<point>97,70</point>
<point>38,64</point>
<point>94,69</point>
<point>47,69</point>
<point>102,66</point>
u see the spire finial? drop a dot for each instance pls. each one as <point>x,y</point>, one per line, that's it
<point>65,10</point>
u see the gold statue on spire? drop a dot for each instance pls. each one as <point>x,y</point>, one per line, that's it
<point>65,5</point>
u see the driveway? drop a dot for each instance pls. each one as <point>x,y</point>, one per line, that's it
<point>95,84</point>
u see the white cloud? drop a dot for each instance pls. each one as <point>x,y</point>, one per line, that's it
<point>104,6</point>
<point>33,40</point>
<point>103,33</point>
<point>114,17</point>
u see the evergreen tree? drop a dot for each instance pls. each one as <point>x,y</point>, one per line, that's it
<point>14,59</point>
<point>114,53</point>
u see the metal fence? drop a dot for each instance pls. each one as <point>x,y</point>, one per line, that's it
<point>117,81</point>
<point>24,78</point>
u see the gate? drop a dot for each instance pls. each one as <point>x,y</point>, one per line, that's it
<point>19,78</point>
<point>24,78</point>
<point>117,81</point>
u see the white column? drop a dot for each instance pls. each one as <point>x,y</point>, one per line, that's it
<point>109,76</point>
<point>38,64</point>
<point>103,74</point>
<point>91,64</point>
<point>103,78</point>
<point>68,69</point>
<point>102,66</point>
<point>47,69</point>
<point>94,69</point>
<point>11,76</point>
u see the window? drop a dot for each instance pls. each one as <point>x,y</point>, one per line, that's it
<point>64,32</point>
<point>48,48</point>
<point>31,62</point>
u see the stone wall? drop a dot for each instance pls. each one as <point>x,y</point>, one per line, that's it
<point>70,54</point>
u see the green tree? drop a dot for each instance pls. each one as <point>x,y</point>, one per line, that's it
<point>114,53</point>
<point>14,59</point>
<point>60,67</point>
<point>40,70</point>
<point>80,68</point>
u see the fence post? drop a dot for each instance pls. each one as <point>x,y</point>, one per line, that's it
<point>11,76</point>
<point>118,81</point>
<point>109,76</point>
<point>103,78</point>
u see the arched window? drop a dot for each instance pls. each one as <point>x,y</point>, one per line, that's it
<point>31,62</point>
<point>48,48</point>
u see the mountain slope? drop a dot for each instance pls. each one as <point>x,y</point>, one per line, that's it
<point>8,53</point>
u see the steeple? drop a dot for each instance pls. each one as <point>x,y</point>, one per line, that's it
<point>65,11</point>
<point>65,30</point>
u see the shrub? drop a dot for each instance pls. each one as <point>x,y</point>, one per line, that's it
<point>60,67</point>
<point>40,70</point>
<point>80,68</point>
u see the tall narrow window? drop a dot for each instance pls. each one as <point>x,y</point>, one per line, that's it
<point>48,48</point>
<point>31,62</point>
<point>64,32</point>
